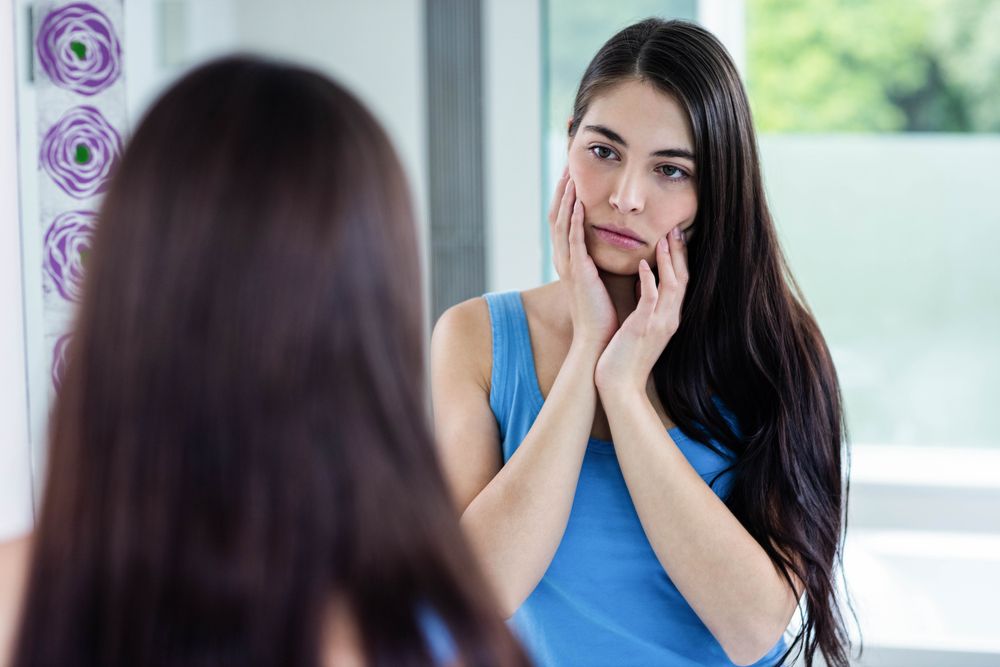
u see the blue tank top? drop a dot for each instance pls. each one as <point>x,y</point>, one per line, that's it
<point>605,599</point>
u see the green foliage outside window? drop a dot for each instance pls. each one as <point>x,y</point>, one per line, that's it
<point>886,66</point>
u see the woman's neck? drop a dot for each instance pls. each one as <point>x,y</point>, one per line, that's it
<point>622,290</point>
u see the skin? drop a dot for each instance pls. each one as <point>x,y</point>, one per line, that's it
<point>630,165</point>
<point>626,184</point>
<point>14,554</point>
<point>595,335</point>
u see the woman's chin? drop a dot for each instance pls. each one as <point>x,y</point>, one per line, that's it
<point>616,262</point>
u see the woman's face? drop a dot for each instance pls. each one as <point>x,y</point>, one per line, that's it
<point>632,160</point>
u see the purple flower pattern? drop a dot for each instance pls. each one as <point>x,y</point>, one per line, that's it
<point>67,244</point>
<point>78,49</point>
<point>80,152</point>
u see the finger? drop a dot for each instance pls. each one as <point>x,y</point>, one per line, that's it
<point>559,228</point>
<point>577,248</point>
<point>665,269</point>
<point>557,195</point>
<point>566,208</point>
<point>678,255</point>
<point>648,295</point>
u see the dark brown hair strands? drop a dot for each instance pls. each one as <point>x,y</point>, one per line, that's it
<point>242,434</point>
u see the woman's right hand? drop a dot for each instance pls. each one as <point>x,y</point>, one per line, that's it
<point>593,314</point>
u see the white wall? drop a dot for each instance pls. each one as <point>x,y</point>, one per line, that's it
<point>15,467</point>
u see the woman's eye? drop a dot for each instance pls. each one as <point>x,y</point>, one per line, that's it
<point>673,173</point>
<point>603,152</point>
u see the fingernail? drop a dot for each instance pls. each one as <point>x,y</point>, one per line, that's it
<point>676,232</point>
<point>662,244</point>
<point>643,264</point>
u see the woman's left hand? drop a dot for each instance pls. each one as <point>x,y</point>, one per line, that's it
<point>628,359</point>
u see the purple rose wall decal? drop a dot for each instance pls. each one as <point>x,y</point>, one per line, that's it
<point>80,152</point>
<point>78,49</point>
<point>67,244</point>
<point>82,122</point>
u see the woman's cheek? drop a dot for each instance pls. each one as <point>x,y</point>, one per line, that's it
<point>588,185</point>
<point>675,210</point>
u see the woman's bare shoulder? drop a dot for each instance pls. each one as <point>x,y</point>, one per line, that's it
<point>472,316</point>
<point>14,555</point>
<point>464,331</point>
<point>467,322</point>
<point>469,318</point>
<point>462,342</point>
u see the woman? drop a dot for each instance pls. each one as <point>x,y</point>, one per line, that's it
<point>692,538</point>
<point>241,471</point>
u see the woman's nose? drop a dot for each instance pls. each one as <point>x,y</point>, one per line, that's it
<point>627,196</point>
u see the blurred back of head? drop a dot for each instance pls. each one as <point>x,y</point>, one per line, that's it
<point>241,435</point>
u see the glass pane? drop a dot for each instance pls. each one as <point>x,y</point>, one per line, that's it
<point>573,31</point>
<point>890,230</point>
<point>891,240</point>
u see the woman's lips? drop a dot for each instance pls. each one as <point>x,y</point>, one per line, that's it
<point>617,239</point>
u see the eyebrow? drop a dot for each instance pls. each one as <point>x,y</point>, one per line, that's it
<point>617,138</point>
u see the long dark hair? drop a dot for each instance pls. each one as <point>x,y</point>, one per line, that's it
<point>241,434</point>
<point>746,333</point>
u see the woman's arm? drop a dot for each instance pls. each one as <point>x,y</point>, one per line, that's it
<point>719,568</point>
<point>514,515</point>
